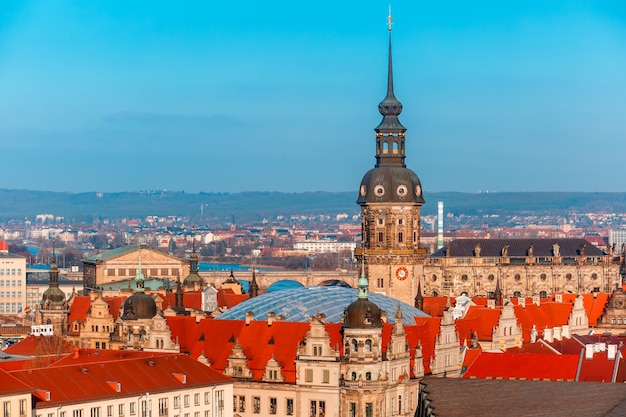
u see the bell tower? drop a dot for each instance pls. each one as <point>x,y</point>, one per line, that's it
<point>391,198</point>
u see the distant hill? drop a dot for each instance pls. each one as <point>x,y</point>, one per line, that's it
<point>256,206</point>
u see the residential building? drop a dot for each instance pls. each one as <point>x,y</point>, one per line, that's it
<point>12,282</point>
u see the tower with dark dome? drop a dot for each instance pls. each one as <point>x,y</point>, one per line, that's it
<point>54,309</point>
<point>193,281</point>
<point>391,198</point>
<point>142,325</point>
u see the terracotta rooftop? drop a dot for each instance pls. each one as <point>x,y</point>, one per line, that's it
<point>76,382</point>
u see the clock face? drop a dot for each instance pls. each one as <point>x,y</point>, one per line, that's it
<point>402,273</point>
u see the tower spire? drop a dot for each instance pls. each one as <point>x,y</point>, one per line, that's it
<point>390,132</point>
<point>363,283</point>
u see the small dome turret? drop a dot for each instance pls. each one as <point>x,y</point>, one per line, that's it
<point>139,305</point>
<point>362,314</point>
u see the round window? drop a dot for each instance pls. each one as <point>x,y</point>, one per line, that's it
<point>402,190</point>
<point>379,190</point>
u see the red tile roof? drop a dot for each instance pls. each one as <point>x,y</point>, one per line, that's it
<point>546,315</point>
<point>36,345</point>
<point>484,319</point>
<point>191,299</point>
<point>79,308</point>
<point>530,366</point>
<point>9,385</point>
<point>260,342</point>
<point>226,298</point>
<point>88,355</point>
<point>92,381</point>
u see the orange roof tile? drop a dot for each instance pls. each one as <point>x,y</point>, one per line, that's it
<point>33,345</point>
<point>485,319</point>
<point>9,385</point>
<point>76,383</point>
<point>509,365</point>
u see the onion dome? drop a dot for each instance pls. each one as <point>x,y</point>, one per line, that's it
<point>193,278</point>
<point>362,314</point>
<point>53,296</point>
<point>139,305</point>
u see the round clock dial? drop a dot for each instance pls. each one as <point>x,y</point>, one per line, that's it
<point>402,273</point>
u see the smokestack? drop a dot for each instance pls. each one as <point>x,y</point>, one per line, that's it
<point>440,225</point>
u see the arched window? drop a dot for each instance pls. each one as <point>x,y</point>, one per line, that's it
<point>435,294</point>
<point>354,376</point>
<point>395,147</point>
<point>385,147</point>
<point>368,345</point>
<point>543,294</point>
<point>517,294</point>
<point>368,376</point>
<point>355,345</point>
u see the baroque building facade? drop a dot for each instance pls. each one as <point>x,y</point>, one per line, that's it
<point>521,268</point>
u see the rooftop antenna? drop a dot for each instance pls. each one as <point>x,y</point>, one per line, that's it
<point>389,19</point>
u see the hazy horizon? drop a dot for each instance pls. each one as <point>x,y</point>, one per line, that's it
<point>227,97</point>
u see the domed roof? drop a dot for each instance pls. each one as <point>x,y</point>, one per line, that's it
<point>334,283</point>
<point>390,183</point>
<point>284,284</point>
<point>139,306</point>
<point>53,296</point>
<point>193,278</point>
<point>362,314</point>
<point>298,304</point>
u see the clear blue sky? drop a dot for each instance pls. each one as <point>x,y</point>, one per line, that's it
<point>282,95</point>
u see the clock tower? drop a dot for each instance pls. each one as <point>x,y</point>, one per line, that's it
<point>391,198</point>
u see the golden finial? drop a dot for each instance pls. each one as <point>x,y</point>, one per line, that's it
<point>389,19</point>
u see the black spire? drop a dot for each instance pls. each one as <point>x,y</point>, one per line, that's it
<point>254,287</point>
<point>419,298</point>
<point>390,132</point>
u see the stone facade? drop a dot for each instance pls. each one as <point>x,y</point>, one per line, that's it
<point>121,264</point>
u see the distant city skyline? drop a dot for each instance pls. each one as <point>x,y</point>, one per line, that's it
<point>282,96</point>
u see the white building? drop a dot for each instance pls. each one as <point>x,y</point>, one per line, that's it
<point>12,281</point>
<point>324,246</point>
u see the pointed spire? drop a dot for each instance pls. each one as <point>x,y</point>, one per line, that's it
<point>419,298</point>
<point>254,287</point>
<point>390,107</point>
<point>139,278</point>
<point>498,293</point>
<point>54,269</point>
<point>363,283</point>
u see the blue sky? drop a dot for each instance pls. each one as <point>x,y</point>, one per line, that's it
<point>282,95</point>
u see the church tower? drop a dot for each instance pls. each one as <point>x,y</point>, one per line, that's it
<point>390,197</point>
<point>53,309</point>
